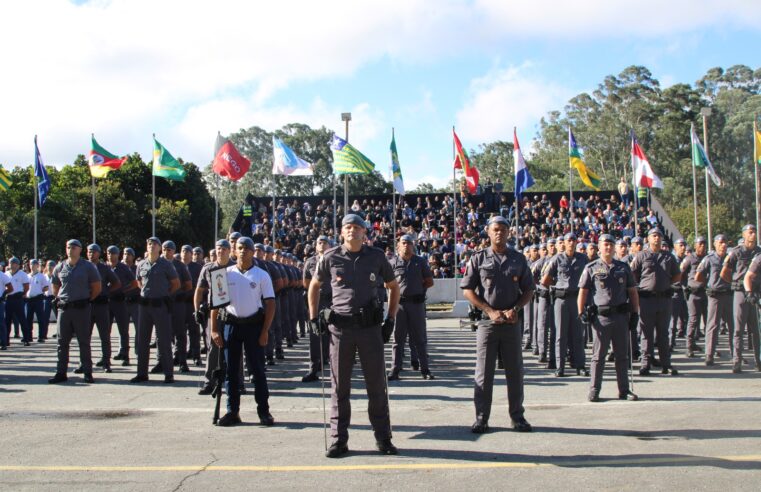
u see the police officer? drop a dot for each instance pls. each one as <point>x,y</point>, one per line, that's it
<point>132,297</point>
<point>752,284</point>
<point>622,251</point>
<point>280,321</point>
<point>35,301</point>
<point>101,317</point>
<point>158,280</point>
<point>414,277</point>
<point>498,281</point>
<point>178,308</point>
<point>529,314</point>
<point>746,314</point>
<point>679,302</point>
<point>719,294</point>
<point>117,304</point>
<point>697,302</point>
<point>5,286</point>
<point>563,273</point>
<point>655,271</point>
<point>76,282</point>
<point>245,326</point>
<point>192,329</point>
<point>356,325</point>
<point>614,293</point>
<point>14,301</point>
<point>278,283</point>
<point>544,312</point>
<point>319,343</point>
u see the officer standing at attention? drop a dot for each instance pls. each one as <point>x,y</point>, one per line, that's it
<point>245,326</point>
<point>14,301</point>
<point>278,283</point>
<point>752,284</point>
<point>655,271</point>
<point>191,327</point>
<point>529,319</point>
<point>498,281</point>
<point>414,277</point>
<point>615,296</point>
<point>280,302</point>
<point>35,301</point>
<point>178,309</point>
<point>5,286</point>
<point>564,272</point>
<point>697,303</point>
<point>356,325</point>
<point>117,304</point>
<point>101,317</point>
<point>75,283</point>
<point>719,294</point>
<point>746,313</point>
<point>132,297</point>
<point>544,314</point>
<point>326,296</point>
<point>158,280</point>
<point>678,299</point>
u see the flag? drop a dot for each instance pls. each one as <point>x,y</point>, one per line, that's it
<point>102,161</point>
<point>461,161</point>
<point>757,146</point>
<point>396,170</point>
<point>700,159</point>
<point>43,181</point>
<point>164,165</point>
<point>5,179</point>
<point>228,162</point>
<point>523,179</point>
<point>347,159</point>
<point>287,162</point>
<point>576,160</point>
<point>644,177</point>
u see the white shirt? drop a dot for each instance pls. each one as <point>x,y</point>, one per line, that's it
<point>4,280</point>
<point>17,281</point>
<point>248,290</point>
<point>37,284</point>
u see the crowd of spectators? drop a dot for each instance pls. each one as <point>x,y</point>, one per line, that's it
<point>429,219</point>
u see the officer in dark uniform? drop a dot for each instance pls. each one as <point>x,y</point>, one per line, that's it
<point>278,283</point>
<point>101,318</point>
<point>178,308</point>
<point>75,283</point>
<point>117,305</point>
<point>158,281</point>
<point>752,284</point>
<point>697,302</point>
<point>678,299</point>
<point>317,359</point>
<point>746,313</point>
<point>719,294</point>
<point>279,324</point>
<point>655,271</point>
<point>356,325</point>
<point>414,277</point>
<point>498,281</point>
<point>191,327</point>
<point>245,327</point>
<point>529,319</point>
<point>614,293</point>
<point>544,312</point>
<point>563,273</point>
<point>132,297</point>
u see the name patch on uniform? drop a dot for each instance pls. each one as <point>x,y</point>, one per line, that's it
<point>252,284</point>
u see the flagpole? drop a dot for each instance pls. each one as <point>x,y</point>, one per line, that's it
<point>705,112</point>
<point>454,212</point>
<point>570,187</point>
<point>335,235</point>
<point>216,208</point>
<point>755,167</point>
<point>153,194</point>
<point>634,184</point>
<point>36,200</point>
<point>393,195</point>
<point>274,219</point>
<point>694,184</point>
<point>516,203</point>
<point>346,117</point>
<point>92,179</point>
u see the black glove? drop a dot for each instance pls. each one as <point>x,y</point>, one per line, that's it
<point>199,317</point>
<point>387,329</point>
<point>315,327</point>
<point>751,297</point>
<point>633,321</point>
<point>584,317</point>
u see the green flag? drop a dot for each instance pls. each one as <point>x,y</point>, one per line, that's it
<point>164,165</point>
<point>5,179</point>
<point>349,160</point>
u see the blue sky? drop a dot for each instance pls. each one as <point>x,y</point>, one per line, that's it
<point>124,69</point>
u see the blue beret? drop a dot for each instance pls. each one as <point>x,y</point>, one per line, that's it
<point>34,261</point>
<point>498,219</point>
<point>247,242</point>
<point>186,247</point>
<point>234,236</point>
<point>93,247</point>
<point>570,237</point>
<point>130,251</point>
<point>620,242</point>
<point>353,219</point>
<point>324,238</point>
<point>407,237</point>
<point>198,249</point>
<point>654,230</point>
<point>223,243</point>
<point>259,246</point>
<point>16,261</point>
<point>113,249</point>
<point>73,242</point>
<point>680,241</point>
<point>636,239</point>
<point>169,245</point>
<point>551,241</point>
<point>154,239</point>
<point>269,249</point>
<point>543,246</point>
<point>720,237</point>
<point>534,246</point>
<point>748,227</point>
<point>700,239</point>
<point>607,238</point>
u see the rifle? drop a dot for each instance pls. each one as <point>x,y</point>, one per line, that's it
<point>218,376</point>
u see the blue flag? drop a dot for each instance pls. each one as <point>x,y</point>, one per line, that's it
<point>523,179</point>
<point>287,162</point>
<point>43,181</point>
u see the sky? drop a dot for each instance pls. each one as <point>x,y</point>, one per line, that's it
<point>126,69</point>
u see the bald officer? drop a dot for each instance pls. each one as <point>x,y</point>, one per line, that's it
<point>158,280</point>
<point>414,277</point>
<point>563,273</point>
<point>356,325</point>
<point>75,283</point>
<point>746,314</point>
<point>655,271</point>
<point>611,284</point>
<point>245,326</point>
<point>498,281</point>
<point>319,343</point>
<point>719,293</point>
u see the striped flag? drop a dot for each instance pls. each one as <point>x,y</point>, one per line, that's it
<point>461,161</point>
<point>644,176</point>
<point>523,179</point>
<point>101,161</point>
<point>396,170</point>
<point>5,180</point>
<point>349,160</point>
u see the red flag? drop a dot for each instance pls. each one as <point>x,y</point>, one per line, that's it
<point>461,161</point>
<point>228,162</point>
<point>644,177</point>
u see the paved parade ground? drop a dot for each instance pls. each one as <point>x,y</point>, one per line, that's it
<point>699,430</point>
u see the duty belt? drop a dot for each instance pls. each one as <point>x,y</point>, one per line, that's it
<point>345,319</point>
<point>255,319</point>
<point>662,294</point>
<point>35,298</point>
<point>73,304</point>
<point>611,310</point>
<point>718,293</point>
<point>543,293</point>
<point>738,287</point>
<point>100,300</point>
<point>155,302</point>
<point>118,297</point>
<point>564,293</point>
<point>17,295</point>
<point>131,299</point>
<point>697,291</point>
<point>414,299</point>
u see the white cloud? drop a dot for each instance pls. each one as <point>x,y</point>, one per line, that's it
<point>505,98</point>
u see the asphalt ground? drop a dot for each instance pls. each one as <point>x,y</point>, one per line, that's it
<point>699,430</point>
